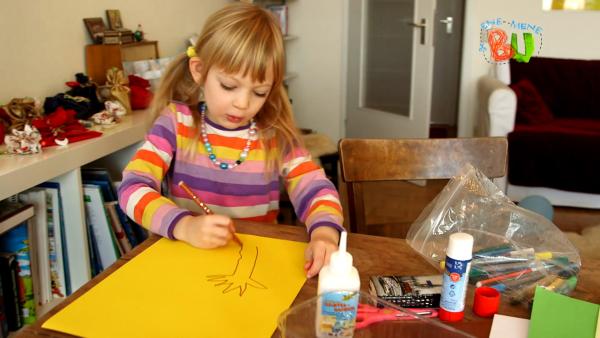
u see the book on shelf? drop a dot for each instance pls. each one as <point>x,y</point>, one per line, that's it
<point>3,315</point>
<point>39,242</point>
<point>95,265</point>
<point>13,213</point>
<point>124,244</point>
<point>9,276</point>
<point>140,233</point>
<point>17,241</point>
<point>98,219</point>
<point>74,233</point>
<point>100,176</point>
<point>59,276</point>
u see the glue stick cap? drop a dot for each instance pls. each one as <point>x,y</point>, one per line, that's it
<point>341,259</point>
<point>486,302</point>
<point>460,246</point>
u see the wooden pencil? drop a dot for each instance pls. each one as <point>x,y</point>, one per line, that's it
<point>206,209</point>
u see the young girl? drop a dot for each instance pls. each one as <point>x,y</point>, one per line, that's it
<point>232,146</point>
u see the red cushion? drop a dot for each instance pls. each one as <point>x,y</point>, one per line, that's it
<point>589,127</point>
<point>559,155</point>
<point>568,87</point>
<point>531,108</point>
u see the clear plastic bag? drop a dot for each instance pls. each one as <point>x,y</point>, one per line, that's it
<point>514,249</point>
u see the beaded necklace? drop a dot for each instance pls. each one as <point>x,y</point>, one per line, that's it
<point>219,163</point>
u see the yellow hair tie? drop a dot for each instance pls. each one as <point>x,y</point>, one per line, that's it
<point>191,52</point>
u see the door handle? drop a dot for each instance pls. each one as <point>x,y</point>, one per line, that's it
<point>449,21</point>
<point>422,25</point>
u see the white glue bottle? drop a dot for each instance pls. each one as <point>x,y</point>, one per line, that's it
<point>456,277</point>
<point>338,294</point>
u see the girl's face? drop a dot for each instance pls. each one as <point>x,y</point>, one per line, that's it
<point>234,99</point>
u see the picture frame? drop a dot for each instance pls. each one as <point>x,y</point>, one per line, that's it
<point>95,27</point>
<point>114,19</point>
<point>582,5</point>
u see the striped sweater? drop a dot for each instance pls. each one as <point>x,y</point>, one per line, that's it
<point>244,192</point>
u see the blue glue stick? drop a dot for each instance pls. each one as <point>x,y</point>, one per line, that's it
<point>456,276</point>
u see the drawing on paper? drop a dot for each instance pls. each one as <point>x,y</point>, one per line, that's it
<point>241,277</point>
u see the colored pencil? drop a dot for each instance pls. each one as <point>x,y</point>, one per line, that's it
<point>206,209</point>
<point>508,276</point>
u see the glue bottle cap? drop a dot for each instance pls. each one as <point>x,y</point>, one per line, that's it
<point>460,246</point>
<point>341,259</point>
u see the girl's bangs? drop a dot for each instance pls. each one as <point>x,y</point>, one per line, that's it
<point>251,54</point>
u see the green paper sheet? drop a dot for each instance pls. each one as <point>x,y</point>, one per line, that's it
<point>555,315</point>
<point>175,290</point>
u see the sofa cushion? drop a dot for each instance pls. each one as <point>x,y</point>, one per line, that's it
<point>569,87</point>
<point>531,108</point>
<point>560,154</point>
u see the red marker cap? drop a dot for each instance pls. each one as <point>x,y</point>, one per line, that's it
<point>486,302</point>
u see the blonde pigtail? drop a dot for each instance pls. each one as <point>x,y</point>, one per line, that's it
<point>176,84</point>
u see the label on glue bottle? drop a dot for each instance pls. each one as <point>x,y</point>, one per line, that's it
<point>337,313</point>
<point>455,284</point>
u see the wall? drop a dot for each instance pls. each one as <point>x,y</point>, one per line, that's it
<point>42,42</point>
<point>43,46</point>
<point>317,57</point>
<point>566,34</point>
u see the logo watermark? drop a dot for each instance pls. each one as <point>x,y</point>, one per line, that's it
<point>493,40</point>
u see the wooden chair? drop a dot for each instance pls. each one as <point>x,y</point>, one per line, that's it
<point>365,161</point>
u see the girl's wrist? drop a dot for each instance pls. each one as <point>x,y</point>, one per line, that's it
<point>325,233</point>
<point>180,230</point>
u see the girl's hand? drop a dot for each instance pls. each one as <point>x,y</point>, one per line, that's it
<point>205,232</point>
<point>323,241</point>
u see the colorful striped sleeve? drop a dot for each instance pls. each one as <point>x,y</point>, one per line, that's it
<point>140,192</point>
<point>315,198</point>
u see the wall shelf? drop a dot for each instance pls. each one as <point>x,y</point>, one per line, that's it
<point>20,172</point>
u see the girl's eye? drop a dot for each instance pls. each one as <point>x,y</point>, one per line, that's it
<point>260,94</point>
<point>227,87</point>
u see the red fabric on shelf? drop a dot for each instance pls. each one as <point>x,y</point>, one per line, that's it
<point>139,95</point>
<point>62,124</point>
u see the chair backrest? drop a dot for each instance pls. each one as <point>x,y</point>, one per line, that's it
<point>370,160</point>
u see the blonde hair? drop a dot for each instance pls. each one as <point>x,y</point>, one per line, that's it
<point>244,38</point>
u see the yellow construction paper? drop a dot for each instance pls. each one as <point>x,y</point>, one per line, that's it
<point>175,290</point>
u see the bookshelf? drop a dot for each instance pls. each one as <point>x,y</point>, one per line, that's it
<point>62,165</point>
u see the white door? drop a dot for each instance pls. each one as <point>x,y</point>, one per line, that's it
<point>389,68</point>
